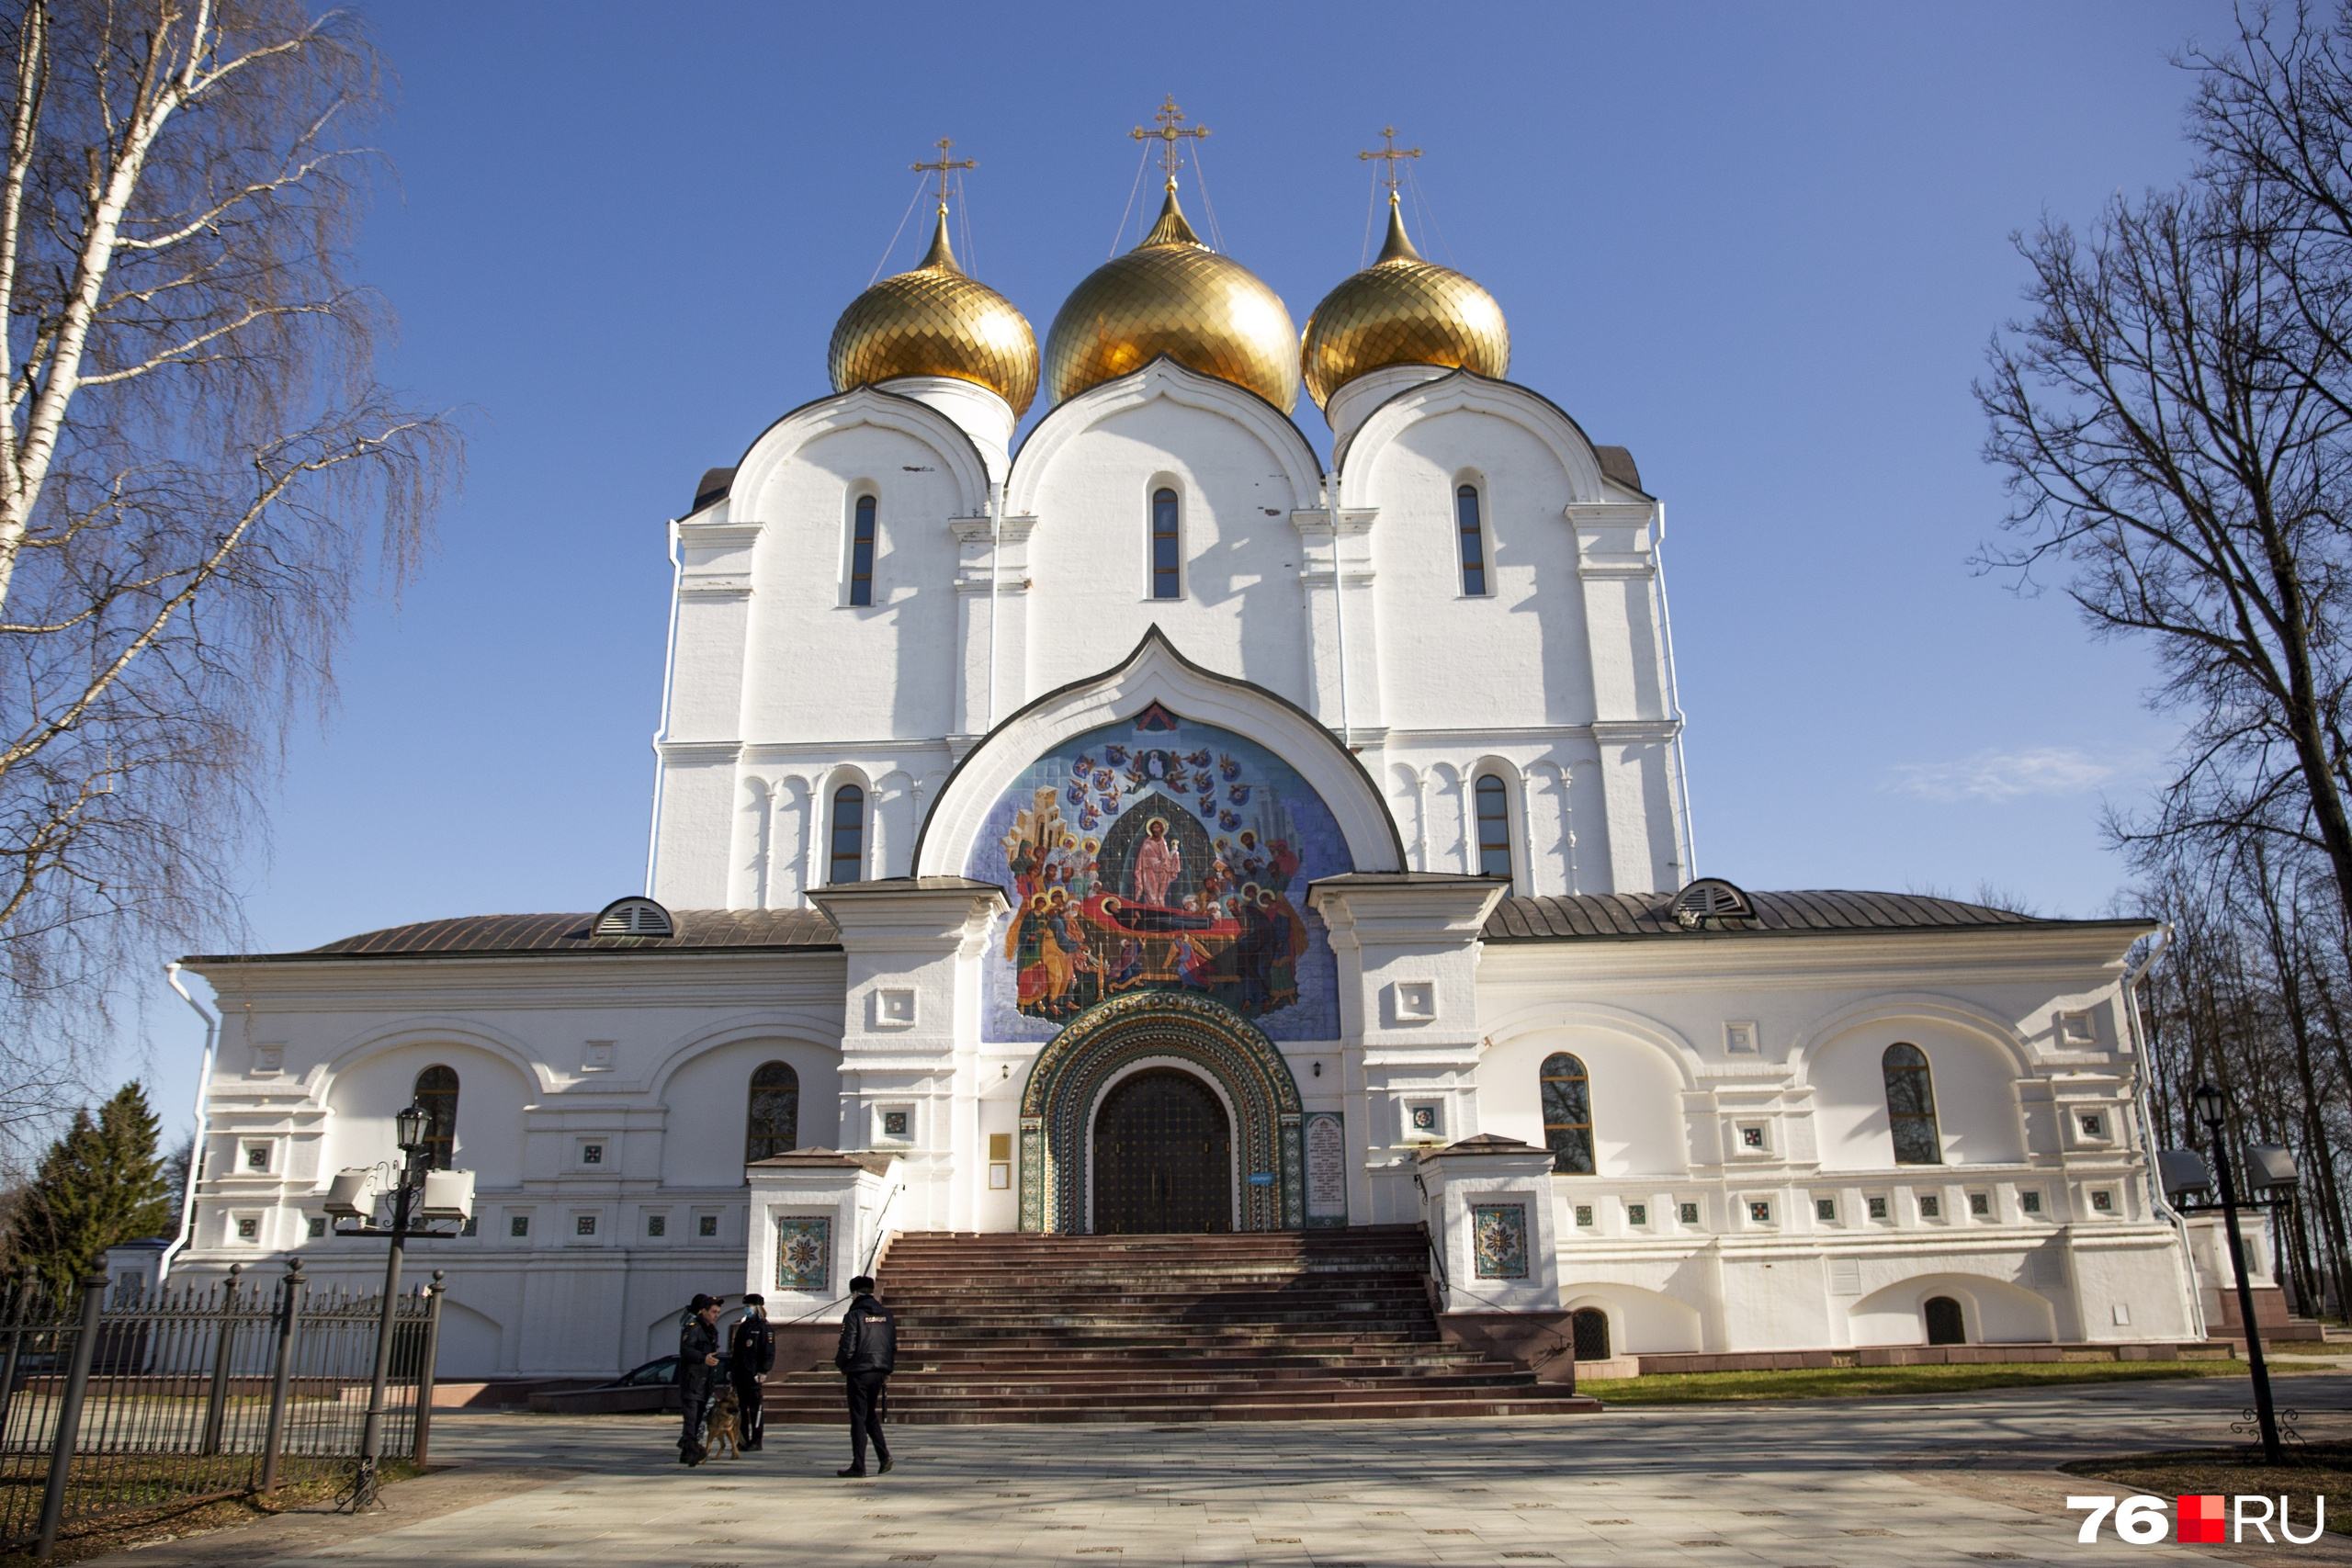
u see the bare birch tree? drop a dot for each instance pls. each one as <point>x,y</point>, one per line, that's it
<point>199,470</point>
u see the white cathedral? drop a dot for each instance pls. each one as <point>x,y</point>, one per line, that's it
<point>1143,830</point>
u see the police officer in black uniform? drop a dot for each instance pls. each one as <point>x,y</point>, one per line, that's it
<point>697,1372</point>
<point>751,1355</point>
<point>868,1352</point>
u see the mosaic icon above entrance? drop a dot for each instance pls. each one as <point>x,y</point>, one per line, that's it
<point>1161,855</point>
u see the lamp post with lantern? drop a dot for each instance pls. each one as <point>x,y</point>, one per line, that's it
<point>2212,1110</point>
<point>413,1128</point>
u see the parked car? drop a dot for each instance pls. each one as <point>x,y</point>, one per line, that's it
<point>664,1370</point>
<point>655,1373</point>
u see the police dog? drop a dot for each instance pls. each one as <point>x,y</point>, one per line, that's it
<point>726,1427</point>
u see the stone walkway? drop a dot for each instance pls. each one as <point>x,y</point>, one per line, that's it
<point>1867,1483</point>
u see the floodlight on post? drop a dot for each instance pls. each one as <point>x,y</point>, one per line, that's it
<point>2212,1108</point>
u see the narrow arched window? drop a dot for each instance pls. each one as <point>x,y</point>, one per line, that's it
<point>1911,1106</point>
<point>1474,540</point>
<point>1494,828</point>
<point>771,1125</point>
<point>1167,559</point>
<point>1567,1114</point>
<point>436,1094</point>
<point>861,553</point>
<point>848,860</point>
<point>1588,1329</point>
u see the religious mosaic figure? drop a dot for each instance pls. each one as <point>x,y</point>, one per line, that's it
<point>1157,864</point>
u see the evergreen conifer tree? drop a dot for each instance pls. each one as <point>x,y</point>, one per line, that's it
<point>101,1183</point>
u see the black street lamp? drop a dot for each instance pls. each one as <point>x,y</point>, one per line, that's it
<point>2212,1110</point>
<point>412,1127</point>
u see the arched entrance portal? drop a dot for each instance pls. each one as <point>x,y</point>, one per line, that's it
<point>1082,1078</point>
<point>1163,1157</point>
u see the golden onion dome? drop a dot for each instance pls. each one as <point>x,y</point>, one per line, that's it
<point>1401,310</point>
<point>935,321</point>
<point>1174,296</point>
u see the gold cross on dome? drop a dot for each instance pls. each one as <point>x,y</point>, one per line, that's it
<point>1170,132</point>
<point>942,166</point>
<point>1390,154</point>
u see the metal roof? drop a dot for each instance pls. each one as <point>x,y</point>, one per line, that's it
<point>481,936</point>
<point>1584,917</point>
<point>1607,915</point>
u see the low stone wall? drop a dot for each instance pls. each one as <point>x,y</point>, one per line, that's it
<point>1920,1356</point>
<point>1537,1340</point>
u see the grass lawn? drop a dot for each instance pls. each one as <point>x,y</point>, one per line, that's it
<point>132,1529</point>
<point>2232,1472</point>
<point>1861,1382</point>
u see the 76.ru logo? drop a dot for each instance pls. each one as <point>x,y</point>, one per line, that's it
<point>2141,1521</point>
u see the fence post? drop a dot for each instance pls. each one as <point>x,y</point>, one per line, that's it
<point>281,1379</point>
<point>216,1401</point>
<point>20,1296</point>
<point>69,1415</point>
<point>424,1372</point>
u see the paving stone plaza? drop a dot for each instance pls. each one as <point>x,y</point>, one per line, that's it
<point>1853,1484</point>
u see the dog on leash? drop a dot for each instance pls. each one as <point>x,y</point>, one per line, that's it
<point>726,1427</point>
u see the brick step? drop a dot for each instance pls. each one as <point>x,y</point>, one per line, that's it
<point>934,1406</point>
<point>1047,1380</point>
<point>1533,1402</point>
<point>1207,1322</point>
<point>1222,1344</point>
<point>1264,1326</point>
<point>1148,1356</point>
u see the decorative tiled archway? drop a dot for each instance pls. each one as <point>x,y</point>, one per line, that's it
<point>1076,1066</point>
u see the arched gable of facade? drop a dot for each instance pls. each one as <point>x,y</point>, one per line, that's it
<point>428,1030</point>
<point>1467,389</point>
<point>777,447</point>
<point>1977,1061</point>
<point>1163,378</point>
<point>1897,1006</point>
<point>1156,672</point>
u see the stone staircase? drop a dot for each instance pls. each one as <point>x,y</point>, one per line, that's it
<point>1288,1326</point>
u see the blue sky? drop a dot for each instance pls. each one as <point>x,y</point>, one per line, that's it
<point>1763,246</point>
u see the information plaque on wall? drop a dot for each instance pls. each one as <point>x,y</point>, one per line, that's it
<point>1326,1170</point>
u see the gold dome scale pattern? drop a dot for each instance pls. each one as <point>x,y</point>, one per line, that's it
<point>1401,310</point>
<point>935,321</point>
<point>1174,296</point>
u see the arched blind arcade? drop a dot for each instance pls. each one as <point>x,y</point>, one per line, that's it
<point>1567,1114</point>
<point>1911,1105</point>
<point>436,1094</point>
<point>772,1121</point>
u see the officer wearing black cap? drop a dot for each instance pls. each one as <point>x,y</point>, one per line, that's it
<point>868,1352</point>
<point>697,1372</point>
<point>751,1355</point>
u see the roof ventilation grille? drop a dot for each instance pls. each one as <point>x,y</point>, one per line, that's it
<point>634,917</point>
<point>1711,902</point>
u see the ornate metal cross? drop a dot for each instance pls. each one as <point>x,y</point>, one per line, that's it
<point>942,166</point>
<point>1170,132</point>
<point>1390,154</point>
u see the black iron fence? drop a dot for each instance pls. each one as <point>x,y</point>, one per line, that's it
<point>123,1401</point>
